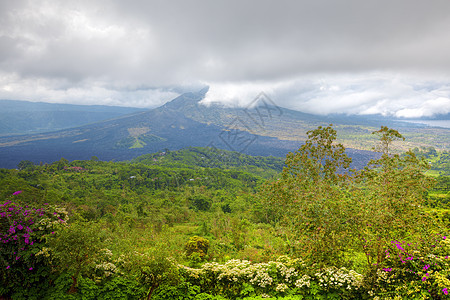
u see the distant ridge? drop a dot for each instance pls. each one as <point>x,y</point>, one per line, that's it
<point>25,117</point>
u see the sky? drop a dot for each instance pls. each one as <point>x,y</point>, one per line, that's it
<point>350,56</point>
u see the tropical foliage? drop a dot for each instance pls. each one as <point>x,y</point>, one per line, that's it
<point>210,224</point>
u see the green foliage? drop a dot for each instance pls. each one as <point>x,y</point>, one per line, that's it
<point>196,157</point>
<point>386,137</point>
<point>200,202</point>
<point>75,249</point>
<point>152,270</point>
<point>331,213</point>
<point>196,248</point>
<point>25,165</point>
<point>311,198</point>
<point>391,193</point>
<point>131,221</point>
<point>182,291</point>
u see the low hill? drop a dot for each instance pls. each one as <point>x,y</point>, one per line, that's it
<point>202,157</point>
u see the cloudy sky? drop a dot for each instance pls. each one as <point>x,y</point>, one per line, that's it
<point>349,56</point>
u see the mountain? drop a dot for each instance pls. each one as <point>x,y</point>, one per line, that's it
<point>24,117</point>
<point>264,118</point>
<point>263,129</point>
<point>129,136</point>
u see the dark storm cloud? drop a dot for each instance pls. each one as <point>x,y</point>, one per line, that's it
<point>104,51</point>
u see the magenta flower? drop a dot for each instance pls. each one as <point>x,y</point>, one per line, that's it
<point>424,278</point>
<point>399,247</point>
<point>8,267</point>
<point>30,269</point>
<point>17,193</point>
<point>445,291</point>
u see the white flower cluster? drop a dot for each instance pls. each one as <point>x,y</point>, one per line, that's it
<point>107,252</point>
<point>257,274</point>
<point>339,278</point>
<point>46,252</point>
<point>107,265</point>
<point>305,280</point>
<point>280,275</point>
<point>107,268</point>
<point>282,287</point>
<point>288,273</point>
<point>261,278</point>
<point>58,216</point>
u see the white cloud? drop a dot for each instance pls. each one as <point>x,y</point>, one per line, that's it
<point>426,109</point>
<point>368,93</point>
<point>62,91</point>
<point>319,56</point>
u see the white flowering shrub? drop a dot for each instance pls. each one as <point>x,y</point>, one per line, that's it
<point>237,278</point>
<point>107,265</point>
<point>332,278</point>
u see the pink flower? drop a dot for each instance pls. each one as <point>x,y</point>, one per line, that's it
<point>17,193</point>
<point>445,291</point>
<point>8,267</point>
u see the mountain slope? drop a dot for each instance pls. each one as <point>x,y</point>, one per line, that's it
<point>263,129</point>
<point>133,135</point>
<point>265,118</point>
<point>24,117</point>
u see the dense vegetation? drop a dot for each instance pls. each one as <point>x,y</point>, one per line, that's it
<point>202,223</point>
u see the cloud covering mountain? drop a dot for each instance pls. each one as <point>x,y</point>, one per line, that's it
<point>350,56</point>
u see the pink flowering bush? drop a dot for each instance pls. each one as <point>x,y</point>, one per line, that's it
<point>22,235</point>
<point>417,270</point>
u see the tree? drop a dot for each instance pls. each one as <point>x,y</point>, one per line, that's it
<point>200,202</point>
<point>25,165</point>
<point>152,269</point>
<point>75,249</point>
<point>391,195</point>
<point>197,245</point>
<point>311,199</point>
<point>328,212</point>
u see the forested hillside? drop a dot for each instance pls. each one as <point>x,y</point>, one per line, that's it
<point>203,223</point>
